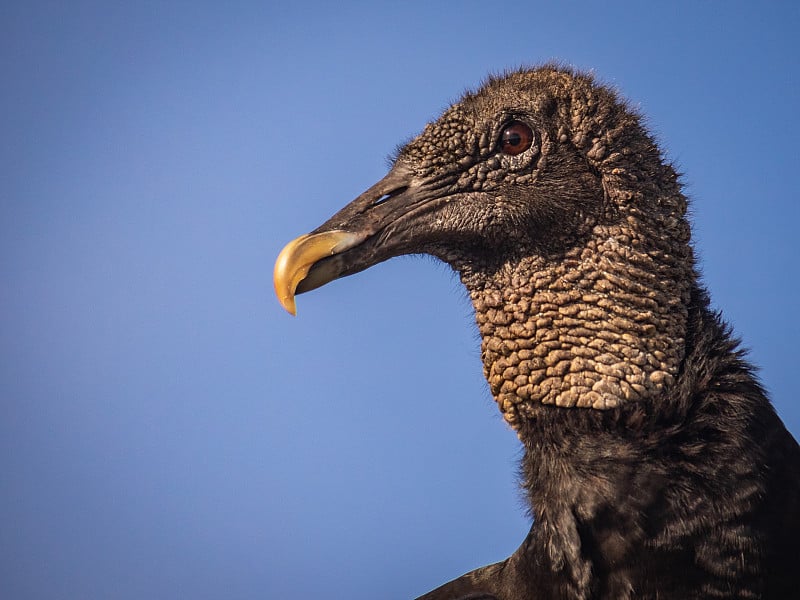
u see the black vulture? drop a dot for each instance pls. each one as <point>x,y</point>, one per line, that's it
<point>654,463</point>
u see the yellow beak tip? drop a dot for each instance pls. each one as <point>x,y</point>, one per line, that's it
<point>284,290</point>
<point>297,258</point>
<point>289,305</point>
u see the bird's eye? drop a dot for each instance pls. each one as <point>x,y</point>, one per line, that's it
<point>515,139</point>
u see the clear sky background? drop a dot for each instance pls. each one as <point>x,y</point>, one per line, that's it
<point>166,430</point>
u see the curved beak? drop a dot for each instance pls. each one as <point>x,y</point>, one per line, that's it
<point>352,240</point>
<point>297,258</point>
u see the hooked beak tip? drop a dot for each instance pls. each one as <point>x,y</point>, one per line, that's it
<point>299,255</point>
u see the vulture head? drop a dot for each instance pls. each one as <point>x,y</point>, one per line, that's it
<point>654,463</point>
<point>546,195</point>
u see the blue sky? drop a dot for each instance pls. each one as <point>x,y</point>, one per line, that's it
<point>167,430</point>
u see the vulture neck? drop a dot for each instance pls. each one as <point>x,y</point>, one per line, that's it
<point>598,326</point>
<point>580,351</point>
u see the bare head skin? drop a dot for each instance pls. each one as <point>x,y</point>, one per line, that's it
<point>654,464</point>
<point>531,189</point>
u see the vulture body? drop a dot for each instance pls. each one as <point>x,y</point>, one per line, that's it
<point>655,466</point>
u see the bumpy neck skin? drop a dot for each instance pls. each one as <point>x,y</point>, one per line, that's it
<point>597,326</point>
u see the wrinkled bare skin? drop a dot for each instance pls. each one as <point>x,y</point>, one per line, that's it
<point>654,464</point>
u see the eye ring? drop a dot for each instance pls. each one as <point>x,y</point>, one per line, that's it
<point>515,138</point>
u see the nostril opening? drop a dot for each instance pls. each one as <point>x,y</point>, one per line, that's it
<point>389,195</point>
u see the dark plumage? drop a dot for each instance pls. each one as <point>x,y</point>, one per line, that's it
<point>654,463</point>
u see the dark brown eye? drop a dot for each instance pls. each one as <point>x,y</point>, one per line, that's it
<point>516,138</point>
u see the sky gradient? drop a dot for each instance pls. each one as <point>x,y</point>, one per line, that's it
<point>167,430</point>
